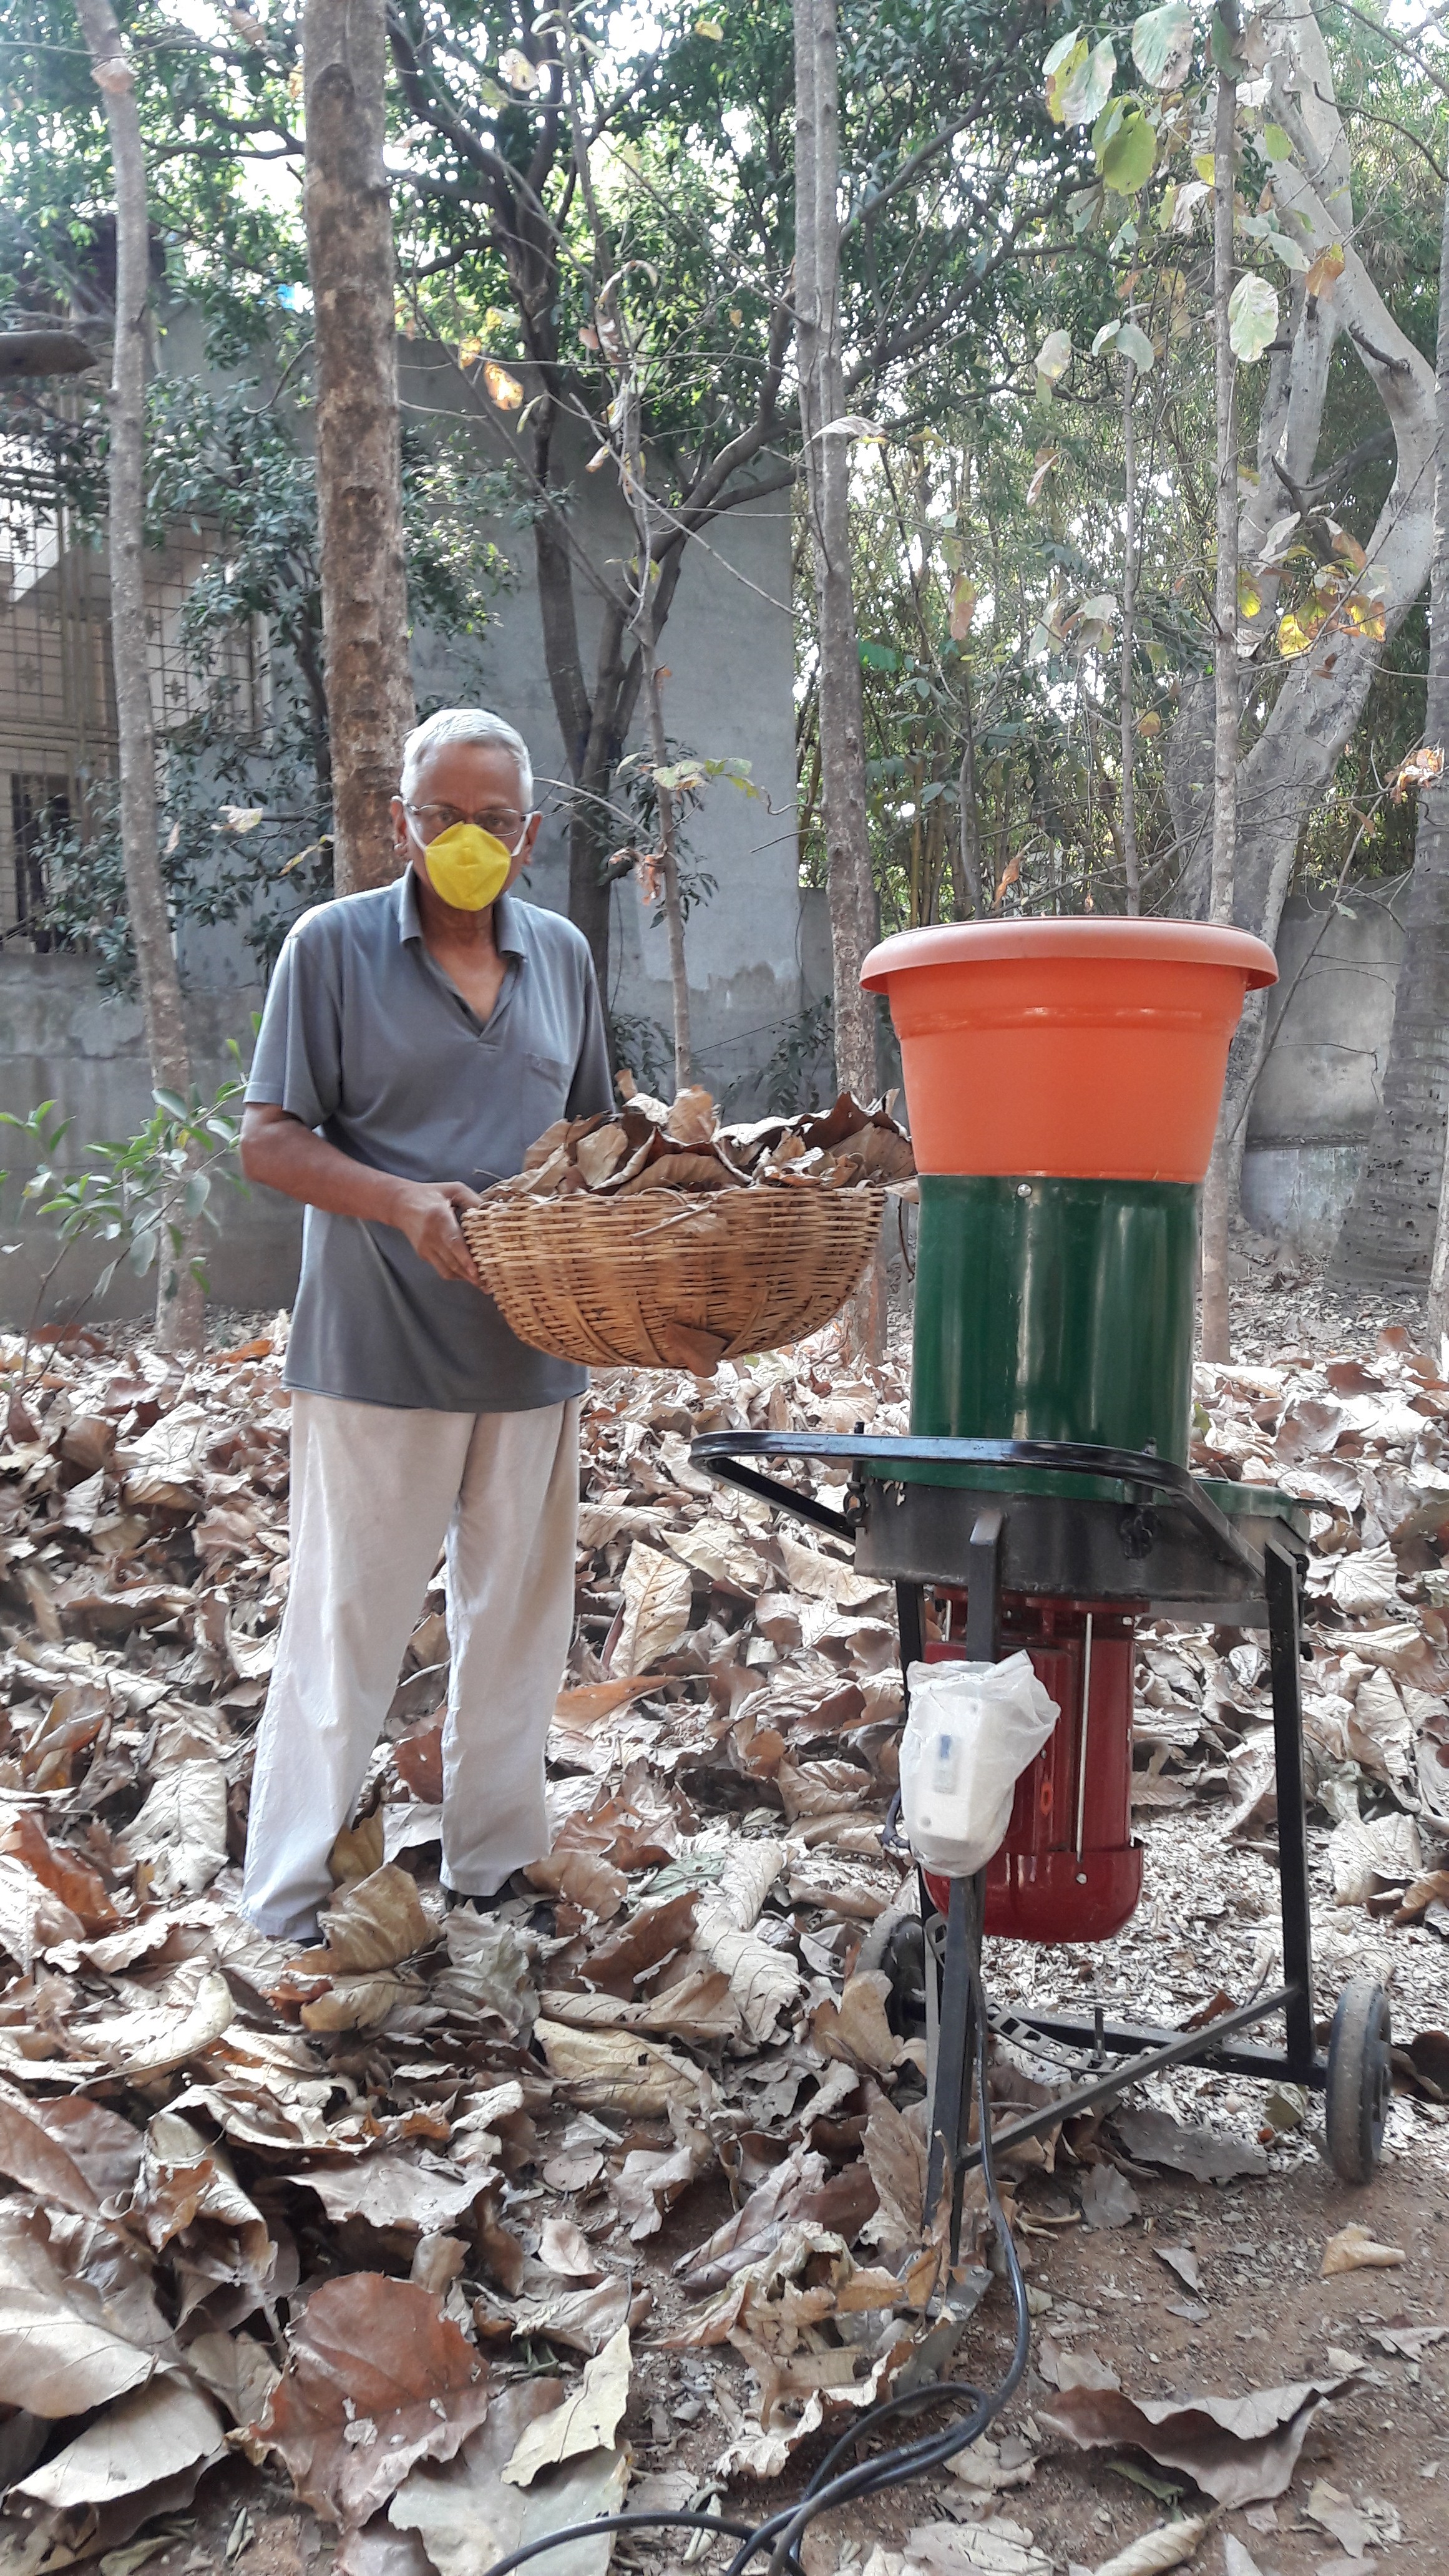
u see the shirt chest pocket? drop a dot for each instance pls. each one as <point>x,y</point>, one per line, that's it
<point>545,1088</point>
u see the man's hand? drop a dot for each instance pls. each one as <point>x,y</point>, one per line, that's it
<point>427,1213</point>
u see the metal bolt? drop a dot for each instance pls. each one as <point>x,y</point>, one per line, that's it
<point>1023,1189</point>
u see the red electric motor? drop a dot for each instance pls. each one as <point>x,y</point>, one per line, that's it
<point>1068,1869</point>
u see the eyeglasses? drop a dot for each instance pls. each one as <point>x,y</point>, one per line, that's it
<point>437,819</point>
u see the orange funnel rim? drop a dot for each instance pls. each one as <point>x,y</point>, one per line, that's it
<point>1166,943</point>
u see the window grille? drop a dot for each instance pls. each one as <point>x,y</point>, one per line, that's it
<point>58,742</point>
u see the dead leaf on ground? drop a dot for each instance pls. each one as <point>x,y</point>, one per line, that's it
<point>658,1592</point>
<point>468,2519</point>
<point>377,2379</point>
<point>587,2419</point>
<point>1108,2199</point>
<point>79,2324</point>
<point>372,1923</point>
<point>612,2071</point>
<point>1237,2449</point>
<point>153,2434</point>
<point>1354,2249</point>
<point>856,2029</point>
<point>1209,2155</point>
<point>180,1833</point>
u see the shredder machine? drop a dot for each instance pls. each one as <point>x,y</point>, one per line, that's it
<point>1063,1080</point>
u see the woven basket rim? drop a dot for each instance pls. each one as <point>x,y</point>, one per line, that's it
<point>712,1274</point>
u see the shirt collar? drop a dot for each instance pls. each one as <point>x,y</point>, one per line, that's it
<point>508,931</point>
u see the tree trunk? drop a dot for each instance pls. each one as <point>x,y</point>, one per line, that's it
<point>1214,1321</point>
<point>1225,588</point>
<point>179,1304</point>
<point>1395,1214</point>
<point>370,702</point>
<point>966,855</point>
<point>853,913</point>
<point>669,873</point>
<point>1321,697</point>
<point>1130,867</point>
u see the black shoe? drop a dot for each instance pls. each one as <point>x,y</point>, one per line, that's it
<point>453,1897</point>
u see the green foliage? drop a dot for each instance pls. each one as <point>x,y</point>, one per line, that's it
<point>152,1190</point>
<point>1028,208</point>
<point>228,462</point>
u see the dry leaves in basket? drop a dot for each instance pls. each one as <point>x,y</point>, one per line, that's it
<point>650,1145</point>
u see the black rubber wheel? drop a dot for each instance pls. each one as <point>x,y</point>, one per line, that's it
<point>896,1943</point>
<point>1360,2080</point>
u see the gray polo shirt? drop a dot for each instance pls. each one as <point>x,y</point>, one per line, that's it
<point>365,1038</point>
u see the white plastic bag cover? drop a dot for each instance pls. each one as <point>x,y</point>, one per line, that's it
<point>971,1732</point>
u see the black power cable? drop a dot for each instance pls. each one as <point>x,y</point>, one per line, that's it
<point>783,2531</point>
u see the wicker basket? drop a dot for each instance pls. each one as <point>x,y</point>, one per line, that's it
<point>669,1278</point>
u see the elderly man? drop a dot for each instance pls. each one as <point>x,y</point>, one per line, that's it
<point>416,1040</point>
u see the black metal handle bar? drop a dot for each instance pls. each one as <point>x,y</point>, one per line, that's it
<point>723,1453</point>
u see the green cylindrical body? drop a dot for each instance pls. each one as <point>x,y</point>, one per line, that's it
<point>1056,1310</point>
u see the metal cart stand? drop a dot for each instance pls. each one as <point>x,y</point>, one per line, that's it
<point>1004,1521</point>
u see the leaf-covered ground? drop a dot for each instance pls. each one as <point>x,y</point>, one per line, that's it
<point>393,2254</point>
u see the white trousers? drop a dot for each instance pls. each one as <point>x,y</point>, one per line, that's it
<point>376,1490</point>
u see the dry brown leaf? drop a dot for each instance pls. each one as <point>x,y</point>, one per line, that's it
<point>79,1887</point>
<point>152,2435</point>
<point>104,2149</point>
<point>584,2320</point>
<point>470,2520</point>
<point>161,1468</point>
<point>715,1548</point>
<point>613,2071</point>
<point>586,1878</point>
<point>856,2030</point>
<point>692,1117</point>
<point>764,1982</point>
<point>587,2420</point>
<point>658,1593</point>
<point>162,2036</point>
<point>1209,2155</point>
<point>371,2351</point>
<point>388,2191</point>
<point>359,2003</point>
<point>487,1972</point>
<point>1366,1583</point>
<point>826,1578</point>
<point>359,1850</point>
<point>564,2250</point>
<point>73,2337</point>
<point>187,2193</point>
<point>897,2153</point>
<point>1171,2545</point>
<point>237,2369</point>
<point>31,1918</point>
<point>651,2180</point>
<point>1240,2450</point>
<point>181,1830</point>
<point>580,1711</point>
<point>751,2235</point>
<point>373,1923</point>
<point>1354,2249</point>
<point>1365,1857</point>
<point>1108,2199</point>
<point>1000,2547</point>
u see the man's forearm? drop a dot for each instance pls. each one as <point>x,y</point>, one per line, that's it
<point>279,1151</point>
<point>286,1156</point>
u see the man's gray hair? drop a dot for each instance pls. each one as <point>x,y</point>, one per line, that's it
<point>464,724</point>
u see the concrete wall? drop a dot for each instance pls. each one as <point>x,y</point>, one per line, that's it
<point>60,1041</point>
<point>1330,1019</point>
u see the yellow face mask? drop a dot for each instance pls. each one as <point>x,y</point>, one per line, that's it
<point>467,866</point>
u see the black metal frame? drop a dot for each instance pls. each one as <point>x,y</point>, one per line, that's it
<point>1265,1592</point>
